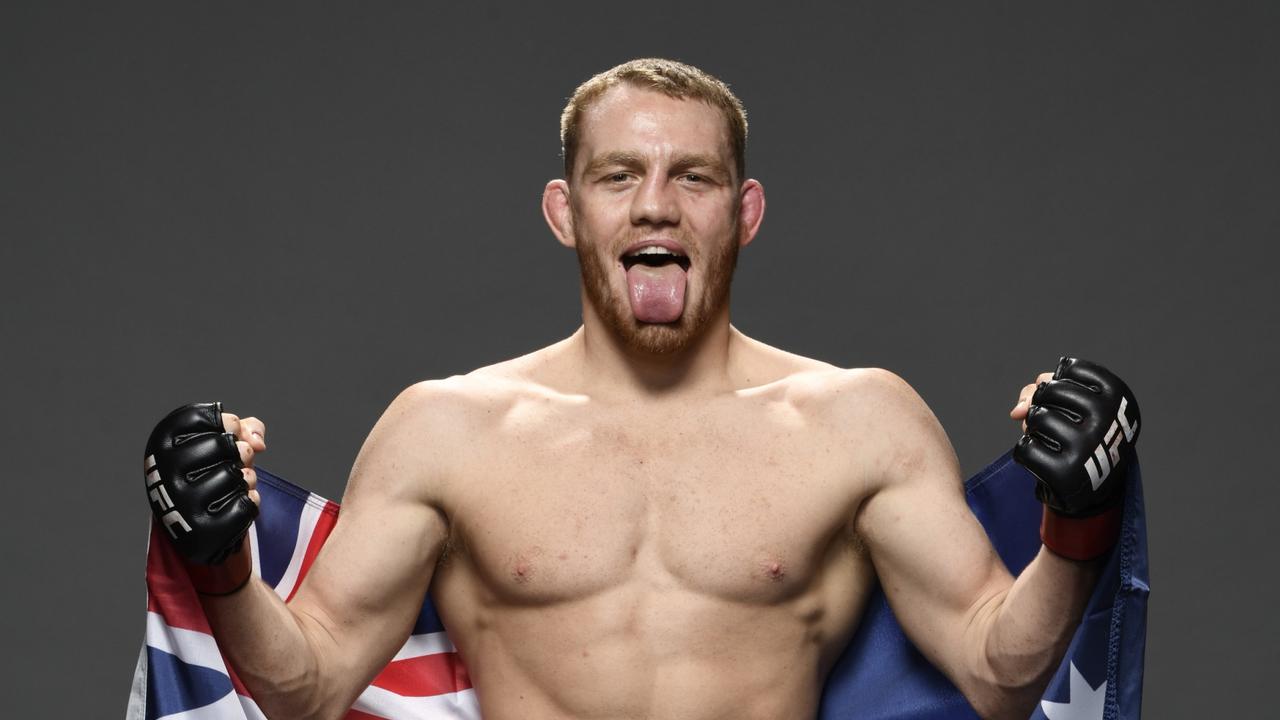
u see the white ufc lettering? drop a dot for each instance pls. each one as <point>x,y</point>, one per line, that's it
<point>1107,454</point>
<point>169,516</point>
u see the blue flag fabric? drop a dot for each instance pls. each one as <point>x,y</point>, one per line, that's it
<point>181,672</point>
<point>881,675</point>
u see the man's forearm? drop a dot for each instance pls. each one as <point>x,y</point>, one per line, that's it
<point>1023,637</point>
<point>272,650</point>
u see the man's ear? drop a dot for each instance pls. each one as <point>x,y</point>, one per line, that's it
<point>558,213</point>
<point>750,211</point>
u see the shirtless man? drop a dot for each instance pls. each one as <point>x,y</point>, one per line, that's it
<point>656,517</point>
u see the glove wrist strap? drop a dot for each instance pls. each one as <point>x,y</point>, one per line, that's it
<point>1084,538</point>
<point>225,578</point>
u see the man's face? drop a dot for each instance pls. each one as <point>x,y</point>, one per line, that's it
<point>655,206</point>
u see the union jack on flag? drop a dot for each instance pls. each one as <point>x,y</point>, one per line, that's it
<point>181,673</point>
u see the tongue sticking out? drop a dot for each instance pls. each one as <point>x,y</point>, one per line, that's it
<point>656,293</point>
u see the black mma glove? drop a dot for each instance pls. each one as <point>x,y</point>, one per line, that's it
<point>199,496</point>
<point>1081,429</point>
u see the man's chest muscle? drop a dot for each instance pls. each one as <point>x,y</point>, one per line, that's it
<point>742,507</point>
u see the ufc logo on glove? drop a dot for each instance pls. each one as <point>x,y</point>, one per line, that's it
<point>163,505</point>
<point>1107,454</point>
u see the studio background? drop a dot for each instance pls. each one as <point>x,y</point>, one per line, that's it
<point>301,209</point>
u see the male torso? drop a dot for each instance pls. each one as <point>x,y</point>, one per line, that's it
<point>625,557</point>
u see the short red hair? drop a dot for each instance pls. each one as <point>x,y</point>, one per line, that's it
<point>669,77</point>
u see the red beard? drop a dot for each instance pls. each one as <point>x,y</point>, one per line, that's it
<point>657,338</point>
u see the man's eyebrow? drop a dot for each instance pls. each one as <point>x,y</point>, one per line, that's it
<point>614,159</point>
<point>694,160</point>
<point>631,160</point>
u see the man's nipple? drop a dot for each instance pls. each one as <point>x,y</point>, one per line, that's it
<point>773,570</point>
<point>522,566</point>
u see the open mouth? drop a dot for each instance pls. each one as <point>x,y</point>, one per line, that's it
<point>654,256</point>
<point>656,277</point>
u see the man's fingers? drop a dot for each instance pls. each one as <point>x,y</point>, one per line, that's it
<point>254,432</point>
<point>1019,411</point>
<point>250,429</point>
<point>251,481</point>
<point>246,453</point>
<point>231,424</point>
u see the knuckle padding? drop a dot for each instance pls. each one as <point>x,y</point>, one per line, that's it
<point>244,508</point>
<point>221,505</point>
<point>188,419</point>
<point>200,466</point>
<point>195,456</point>
<point>1047,421</point>
<point>1032,452</point>
<point>1068,396</point>
<point>1045,440</point>
<point>1092,375</point>
<point>215,486</point>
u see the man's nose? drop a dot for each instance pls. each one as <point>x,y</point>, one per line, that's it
<point>655,202</point>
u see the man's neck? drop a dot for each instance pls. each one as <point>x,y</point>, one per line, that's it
<point>612,369</point>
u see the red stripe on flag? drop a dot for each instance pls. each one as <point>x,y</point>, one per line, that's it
<point>424,675</point>
<point>169,590</point>
<point>236,684</point>
<point>324,525</point>
<point>319,533</point>
<point>357,715</point>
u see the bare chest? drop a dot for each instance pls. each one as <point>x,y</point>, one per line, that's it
<point>744,504</point>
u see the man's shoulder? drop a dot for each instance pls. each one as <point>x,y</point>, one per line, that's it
<point>486,393</point>
<point>875,421</point>
<point>821,386</point>
<point>871,392</point>
<point>462,397</point>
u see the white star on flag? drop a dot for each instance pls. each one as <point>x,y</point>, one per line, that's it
<point>1083,702</point>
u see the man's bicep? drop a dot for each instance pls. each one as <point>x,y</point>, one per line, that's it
<point>369,581</point>
<point>934,561</point>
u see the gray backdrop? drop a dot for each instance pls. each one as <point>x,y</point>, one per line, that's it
<point>300,210</point>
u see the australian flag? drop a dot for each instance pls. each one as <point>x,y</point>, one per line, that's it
<point>181,674</point>
<point>882,676</point>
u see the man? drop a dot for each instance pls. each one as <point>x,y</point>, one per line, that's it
<point>657,517</point>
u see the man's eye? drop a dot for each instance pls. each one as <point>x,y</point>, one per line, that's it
<point>618,177</point>
<point>693,178</point>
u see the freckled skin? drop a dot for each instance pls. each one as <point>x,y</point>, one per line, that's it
<point>686,556</point>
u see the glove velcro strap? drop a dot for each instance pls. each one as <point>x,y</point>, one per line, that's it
<point>224,578</point>
<point>1084,538</point>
